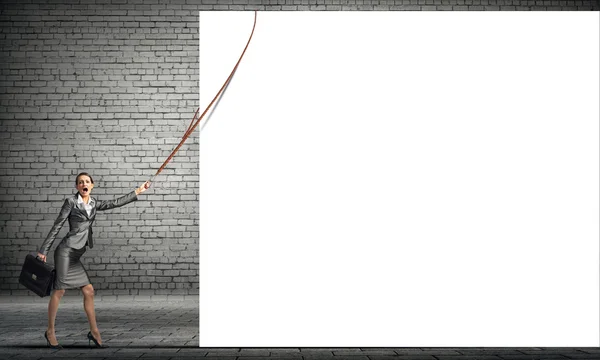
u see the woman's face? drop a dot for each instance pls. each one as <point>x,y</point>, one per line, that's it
<point>84,185</point>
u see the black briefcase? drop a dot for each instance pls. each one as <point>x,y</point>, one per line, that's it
<point>37,276</point>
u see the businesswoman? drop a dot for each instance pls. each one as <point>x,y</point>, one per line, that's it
<point>80,209</point>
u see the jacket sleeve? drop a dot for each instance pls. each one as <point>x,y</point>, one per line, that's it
<point>60,220</point>
<point>111,204</point>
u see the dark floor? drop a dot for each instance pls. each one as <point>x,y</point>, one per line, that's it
<point>167,328</point>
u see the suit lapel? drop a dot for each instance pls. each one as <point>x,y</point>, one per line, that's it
<point>93,212</point>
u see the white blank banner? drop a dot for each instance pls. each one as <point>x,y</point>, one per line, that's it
<point>400,179</point>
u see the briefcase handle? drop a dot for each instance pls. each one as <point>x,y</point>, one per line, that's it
<point>35,254</point>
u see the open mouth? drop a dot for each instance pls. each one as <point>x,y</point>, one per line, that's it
<point>85,189</point>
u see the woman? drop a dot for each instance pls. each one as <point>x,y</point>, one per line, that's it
<point>80,209</point>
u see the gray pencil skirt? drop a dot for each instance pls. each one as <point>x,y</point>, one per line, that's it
<point>70,273</point>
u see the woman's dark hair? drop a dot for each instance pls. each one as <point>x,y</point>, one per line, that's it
<point>84,174</point>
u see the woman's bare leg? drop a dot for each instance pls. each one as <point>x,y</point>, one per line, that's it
<point>88,306</point>
<point>52,310</point>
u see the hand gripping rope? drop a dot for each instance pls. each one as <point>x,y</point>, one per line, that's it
<point>194,123</point>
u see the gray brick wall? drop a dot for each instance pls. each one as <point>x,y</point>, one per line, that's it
<point>108,87</point>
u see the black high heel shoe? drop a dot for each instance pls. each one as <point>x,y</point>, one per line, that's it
<point>57,346</point>
<point>92,338</point>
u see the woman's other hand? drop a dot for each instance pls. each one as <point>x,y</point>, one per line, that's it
<point>145,186</point>
<point>41,256</point>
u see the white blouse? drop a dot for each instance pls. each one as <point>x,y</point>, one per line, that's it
<point>87,207</point>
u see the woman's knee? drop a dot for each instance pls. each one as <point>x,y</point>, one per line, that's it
<point>58,293</point>
<point>88,290</point>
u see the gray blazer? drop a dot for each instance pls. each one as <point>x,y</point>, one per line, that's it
<point>80,223</point>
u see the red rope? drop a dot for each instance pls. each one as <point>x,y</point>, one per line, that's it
<point>191,127</point>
